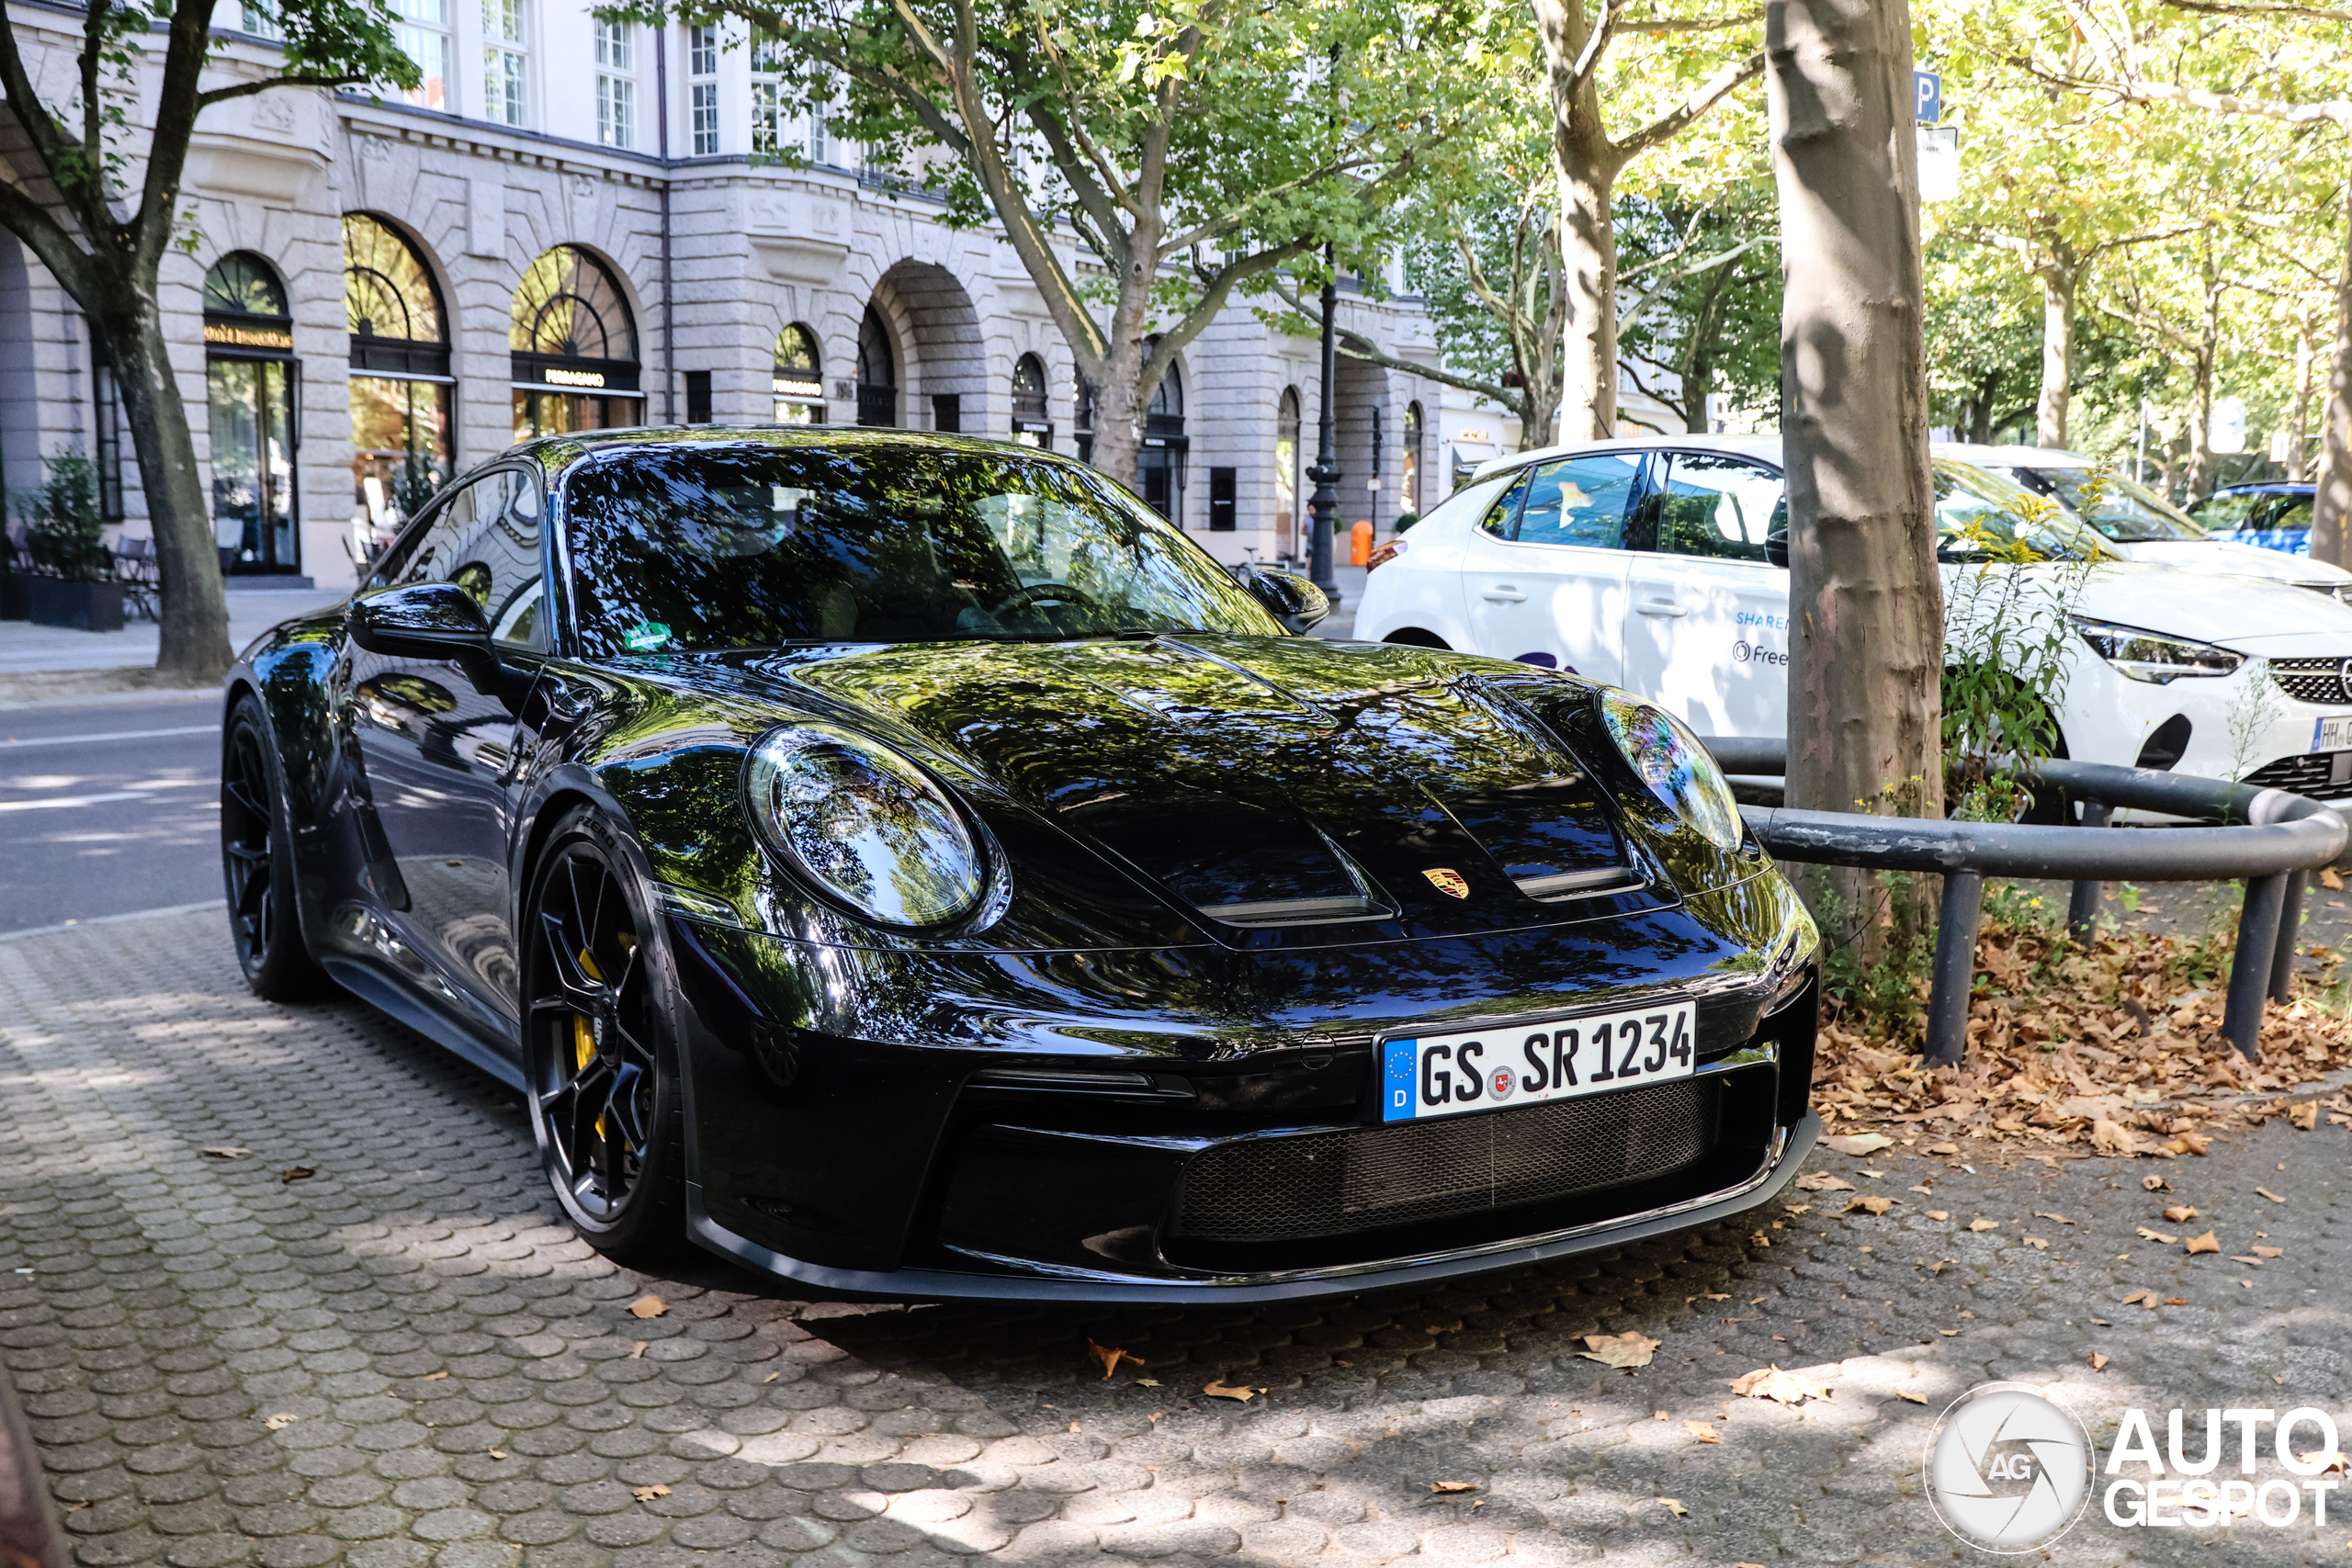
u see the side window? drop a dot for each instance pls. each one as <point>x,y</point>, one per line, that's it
<point>1505,512</point>
<point>1580,500</point>
<point>2292,511</point>
<point>1721,508</point>
<point>486,540</point>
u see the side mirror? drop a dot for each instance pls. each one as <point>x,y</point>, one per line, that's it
<point>1293,599</point>
<point>428,620</point>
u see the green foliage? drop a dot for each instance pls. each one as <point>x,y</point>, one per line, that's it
<point>418,480</point>
<point>1716,327</point>
<point>62,532</point>
<point>2010,646</point>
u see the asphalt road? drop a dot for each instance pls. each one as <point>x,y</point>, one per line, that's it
<point>107,808</point>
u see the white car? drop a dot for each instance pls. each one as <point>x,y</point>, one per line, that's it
<point>1657,565</point>
<point>2139,525</point>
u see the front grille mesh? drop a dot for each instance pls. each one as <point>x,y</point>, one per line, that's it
<point>2312,679</point>
<point>1324,1184</point>
<point>2322,775</point>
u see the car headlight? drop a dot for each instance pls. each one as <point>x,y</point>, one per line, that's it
<point>1678,770</point>
<point>865,825</point>
<point>2146,656</point>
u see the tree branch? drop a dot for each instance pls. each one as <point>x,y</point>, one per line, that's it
<point>1357,346</point>
<point>2336,112</point>
<point>1669,124</point>
<point>47,239</point>
<point>2262,8</point>
<point>40,128</point>
<point>1693,25</point>
<point>1595,44</point>
<point>212,96</point>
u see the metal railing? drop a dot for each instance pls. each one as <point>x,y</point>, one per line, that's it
<point>2275,840</point>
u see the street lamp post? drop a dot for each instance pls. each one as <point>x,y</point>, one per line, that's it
<point>1324,504</point>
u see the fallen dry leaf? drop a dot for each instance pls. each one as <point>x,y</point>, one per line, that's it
<point>2203,1243</point>
<point>2053,1219</point>
<point>2305,1116</point>
<point>2147,1234</point>
<point>2255,1262</point>
<point>2261,1251</point>
<point>2329,880</point>
<point>2037,1242</point>
<point>1759,1239</point>
<point>2330,1461</point>
<point>1822,1181</point>
<point>1772,1383</point>
<point>648,1306</point>
<point>1674,1505</point>
<point>434,1377</point>
<point>296,1173</point>
<point>1859,1143</point>
<point>1629,1349</point>
<point>637,1351</point>
<point>279,1422</point>
<point>2266,1192</point>
<point>1983,1224</point>
<point>2113,1137</point>
<point>225,1151</point>
<point>646,1493</point>
<point>1240,1392</point>
<point>1943,1148</point>
<point>1444,1487</point>
<point>2180,1214</point>
<point>1869,1203</point>
<point>1703,1432</point>
<point>2141,1298</point>
<point>2098,1362</point>
<point>1939,1214</point>
<point>1913,1398</point>
<point>1109,1358</point>
<point>497,1453</point>
<point>2175,1300</point>
<point>2153,1183</point>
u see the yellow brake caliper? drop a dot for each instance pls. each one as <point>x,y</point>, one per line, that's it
<point>583,1033</point>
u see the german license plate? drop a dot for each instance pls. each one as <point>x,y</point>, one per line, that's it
<point>2331,733</point>
<point>1529,1064</point>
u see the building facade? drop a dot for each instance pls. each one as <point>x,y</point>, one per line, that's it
<point>578,224</point>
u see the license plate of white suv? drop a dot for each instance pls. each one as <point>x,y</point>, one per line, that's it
<point>2334,734</point>
<point>1529,1064</point>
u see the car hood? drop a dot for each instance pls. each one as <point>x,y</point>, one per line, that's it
<point>1263,781</point>
<point>2246,612</point>
<point>2224,557</point>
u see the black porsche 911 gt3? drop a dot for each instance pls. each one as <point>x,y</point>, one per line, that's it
<point>911,866</point>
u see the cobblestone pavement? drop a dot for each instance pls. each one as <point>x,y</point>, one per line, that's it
<point>406,1359</point>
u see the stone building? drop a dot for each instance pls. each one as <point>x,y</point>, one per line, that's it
<point>578,224</point>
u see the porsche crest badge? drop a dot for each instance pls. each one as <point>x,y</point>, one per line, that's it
<point>1449,882</point>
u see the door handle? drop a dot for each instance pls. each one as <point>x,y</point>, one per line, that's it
<point>1503,593</point>
<point>1666,607</point>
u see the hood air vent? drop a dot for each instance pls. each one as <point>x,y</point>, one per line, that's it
<point>1551,836</point>
<point>1239,862</point>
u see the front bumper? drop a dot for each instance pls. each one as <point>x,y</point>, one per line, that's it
<point>2246,726</point>
<point>1020,1126</point>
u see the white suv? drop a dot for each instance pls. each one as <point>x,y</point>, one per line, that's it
<point>1657,566</point>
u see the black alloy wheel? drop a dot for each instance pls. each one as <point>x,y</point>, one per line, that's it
<point>599,1053</point>
<point>257,863</point>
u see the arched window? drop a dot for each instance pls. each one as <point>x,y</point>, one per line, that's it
<point>572,334</point>
<point>399,373</point>
<point>1411,499</point>
<point>1033,424</point>
<point>798,380</point>
<point>1286,423</point>
<point>242,284</point>
<point>1162,463</point>
<point>250,377</point>
<point>878,372</point>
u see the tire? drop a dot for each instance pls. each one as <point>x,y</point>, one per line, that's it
<point>600,1046</point>
<point>1414,636</point>
<point>257,862</point>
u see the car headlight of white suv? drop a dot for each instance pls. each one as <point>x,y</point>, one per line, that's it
<point>2141,655</point>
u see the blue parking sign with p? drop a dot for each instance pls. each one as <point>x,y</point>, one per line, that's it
<point>1928,96</point>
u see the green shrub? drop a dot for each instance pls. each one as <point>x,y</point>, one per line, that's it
<point>62,532</point>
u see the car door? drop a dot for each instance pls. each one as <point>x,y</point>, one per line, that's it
<point>439,751</point>
<point>1708,637</point>
<point>1543,575</point>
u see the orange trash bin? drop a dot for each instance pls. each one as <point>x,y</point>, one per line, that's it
<point>1359,543</point>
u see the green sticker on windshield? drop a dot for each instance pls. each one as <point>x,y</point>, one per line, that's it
<point>646,637</point>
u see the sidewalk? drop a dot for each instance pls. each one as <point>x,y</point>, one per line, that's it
<point>28,651</point>
<point>1341,624</point>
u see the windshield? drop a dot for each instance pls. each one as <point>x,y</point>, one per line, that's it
<point>688,548</point>
<point>2127,510</point>
<point>2228,511</point>
<point>1978,513</point>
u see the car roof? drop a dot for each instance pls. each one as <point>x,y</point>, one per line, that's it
<point>557,452</point>
<point>2266,487</point>
<point>2012,457</point>
<point>1767,447</point>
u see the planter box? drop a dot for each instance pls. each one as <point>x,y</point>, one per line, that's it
<point>12,596</point>
<point>83,606</point>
